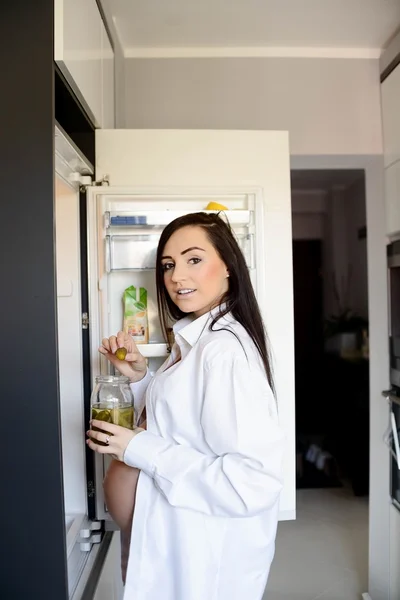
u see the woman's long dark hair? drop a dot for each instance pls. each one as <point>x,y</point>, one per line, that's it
<point>240,299</point>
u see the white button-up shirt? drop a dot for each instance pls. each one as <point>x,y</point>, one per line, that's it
<point>211,470</point>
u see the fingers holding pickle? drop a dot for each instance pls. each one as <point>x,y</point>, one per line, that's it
<point>123,353</point>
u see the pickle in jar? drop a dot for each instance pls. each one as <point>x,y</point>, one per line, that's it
<point>101,414</point>
<point>119,415</point>
<point>124,417</point>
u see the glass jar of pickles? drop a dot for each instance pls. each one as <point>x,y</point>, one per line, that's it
<point>112,401</point>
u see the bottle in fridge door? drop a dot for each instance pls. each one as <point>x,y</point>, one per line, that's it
<point>135,314</point>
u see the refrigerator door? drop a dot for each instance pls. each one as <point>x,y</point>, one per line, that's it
<point>155,176</point>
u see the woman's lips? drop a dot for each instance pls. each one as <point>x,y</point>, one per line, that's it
<point>185,293</point>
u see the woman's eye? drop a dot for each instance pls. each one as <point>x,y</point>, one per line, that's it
<point>167,266</point>
<point>194,261</point>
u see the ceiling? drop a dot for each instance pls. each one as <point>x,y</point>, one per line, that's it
<point>324,179</point>
<point>366,24</point>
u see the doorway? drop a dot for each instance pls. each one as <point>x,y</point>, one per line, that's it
<point>331,329</point>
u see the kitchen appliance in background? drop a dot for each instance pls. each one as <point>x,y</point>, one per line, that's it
<point>393,442</point>
<point>393,395</point>
<point>146,179</point>
<point>393,264</point>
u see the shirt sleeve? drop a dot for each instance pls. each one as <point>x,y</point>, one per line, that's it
<point>241,476</point>
<point>139,392</point>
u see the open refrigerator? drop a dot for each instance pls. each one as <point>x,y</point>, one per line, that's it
<point>107,232</point>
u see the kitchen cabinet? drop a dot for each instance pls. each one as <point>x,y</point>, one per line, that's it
<point>392,198</point>
<point>390,94</point>
<point>85,56</point>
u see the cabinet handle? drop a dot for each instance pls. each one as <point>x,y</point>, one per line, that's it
<point>390,397</point>
<point>387,439</point>
<point>395,438</point>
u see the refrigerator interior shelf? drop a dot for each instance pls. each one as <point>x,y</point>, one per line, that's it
<point>160,218</point>
<point>130,252</point>
<point>153,350</point>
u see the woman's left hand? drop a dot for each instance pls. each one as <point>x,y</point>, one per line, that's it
<point>115,437</point>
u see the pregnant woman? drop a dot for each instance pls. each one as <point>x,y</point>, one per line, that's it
<point>210,460</point>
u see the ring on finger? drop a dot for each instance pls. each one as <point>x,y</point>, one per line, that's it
<point>107,441</point>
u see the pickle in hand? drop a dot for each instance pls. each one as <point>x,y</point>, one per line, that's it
<point>121,353</point>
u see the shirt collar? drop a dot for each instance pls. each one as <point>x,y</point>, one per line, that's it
<point>191,329</point>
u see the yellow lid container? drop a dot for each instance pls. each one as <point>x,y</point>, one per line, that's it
<point>216,206</point>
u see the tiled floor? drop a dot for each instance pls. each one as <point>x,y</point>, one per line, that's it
<point>324,553</point>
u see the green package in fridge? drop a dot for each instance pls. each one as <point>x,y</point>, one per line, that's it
<point>135,314</point>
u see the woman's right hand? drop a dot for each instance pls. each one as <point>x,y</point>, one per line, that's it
<point>134,365</point>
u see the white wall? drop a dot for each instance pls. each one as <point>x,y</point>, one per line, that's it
<point>307,227</point>
<point>308,208</point>
<point>329,106</point>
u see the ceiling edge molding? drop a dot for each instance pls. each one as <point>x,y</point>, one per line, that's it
<point>252,52</point>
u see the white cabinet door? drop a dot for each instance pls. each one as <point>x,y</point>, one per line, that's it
<point>390,91</point>
<point>78,51</point>
<point>108,87</point>
<point>392,199</point>
<point>172,161</point>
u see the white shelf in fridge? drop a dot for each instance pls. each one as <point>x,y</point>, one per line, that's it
<point>126,251</point>
<point>153,350</point>
<point>160,218</point>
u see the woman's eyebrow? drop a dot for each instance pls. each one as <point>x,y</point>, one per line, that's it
<point>184,252</point>
<point>192,248</point>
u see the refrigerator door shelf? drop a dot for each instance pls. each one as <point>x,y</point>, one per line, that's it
<point>153,350</point>
<point>160,218</point>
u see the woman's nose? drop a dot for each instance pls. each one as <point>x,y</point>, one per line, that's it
<point>178,274</point>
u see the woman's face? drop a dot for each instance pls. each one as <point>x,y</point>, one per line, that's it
<point>194,275</point>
